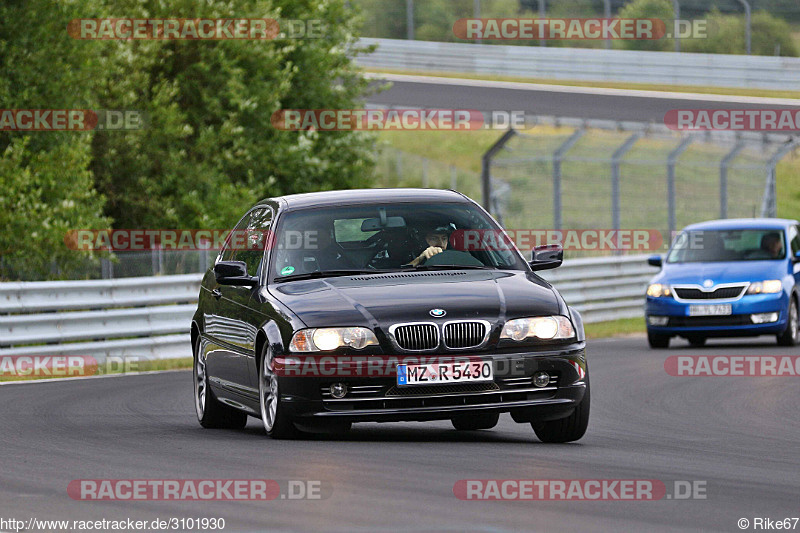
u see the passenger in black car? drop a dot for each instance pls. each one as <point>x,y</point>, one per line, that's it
<point>315,250</point>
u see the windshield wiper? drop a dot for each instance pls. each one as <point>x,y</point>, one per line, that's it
<point>327,274</point>
<point>449,267</point>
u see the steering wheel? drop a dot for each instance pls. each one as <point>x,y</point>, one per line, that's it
<point>452,257</point>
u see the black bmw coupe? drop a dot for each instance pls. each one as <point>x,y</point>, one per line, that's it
<point>330,308</point>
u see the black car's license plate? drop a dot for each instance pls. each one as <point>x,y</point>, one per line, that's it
<point>439,373</point>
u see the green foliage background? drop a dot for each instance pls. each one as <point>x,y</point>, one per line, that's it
<point>433,21</point>
<point>208,150</point>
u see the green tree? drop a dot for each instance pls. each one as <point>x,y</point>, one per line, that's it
<point>209,149</point>
<point>726,35</point>
<point>46,188</point>
<point>652,9</point>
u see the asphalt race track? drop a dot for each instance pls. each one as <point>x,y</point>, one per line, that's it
<point>738,434</point>
<point>574,102</point>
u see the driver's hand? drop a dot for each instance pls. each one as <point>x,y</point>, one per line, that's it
<point>427,254</point>
<point>430,252</point>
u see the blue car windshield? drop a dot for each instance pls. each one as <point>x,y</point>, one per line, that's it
<point>728,245</point>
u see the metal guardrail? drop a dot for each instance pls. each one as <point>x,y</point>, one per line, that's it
<point>603,288</point>
<point>668,68</point>
<point>149,317</point>
<point>146,316</point>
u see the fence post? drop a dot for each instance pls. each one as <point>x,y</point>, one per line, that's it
<point>486,167</point>
<point>105,269</point>
<point>410,20</point>
<point>453,177</point>
<point>769,207</point>
<point>676,10</point>
<point>747,25</point>
<point>672,158</point>
<point>425,180</point>
<point>476,13</point>
<point>558,156</point>
<point>542,14</point>
<point>723,178</point>
<point>607,14</point>
<point>615,162</point>
<point>399,164</point>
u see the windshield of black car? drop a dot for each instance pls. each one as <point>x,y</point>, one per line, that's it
<point>389,237</point>
<point>728,245</point>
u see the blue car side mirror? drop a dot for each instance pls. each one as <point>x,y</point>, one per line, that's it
<point>655,260</point>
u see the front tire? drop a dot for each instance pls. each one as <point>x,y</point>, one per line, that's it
<point>791,337</point>
<point>276,422</point>
<point>476,421</point>
<point>211,413</point>
<point>566,429</point>
<point>657,341</point>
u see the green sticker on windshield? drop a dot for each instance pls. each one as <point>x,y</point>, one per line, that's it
<point>285,271</point>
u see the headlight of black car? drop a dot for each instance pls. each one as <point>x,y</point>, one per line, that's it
<point>538,327</point>
<point>326,339</point>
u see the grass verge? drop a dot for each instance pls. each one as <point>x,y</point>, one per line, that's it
<point>614,328</point>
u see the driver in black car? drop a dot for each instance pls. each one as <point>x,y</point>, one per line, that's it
<point>437,238</point>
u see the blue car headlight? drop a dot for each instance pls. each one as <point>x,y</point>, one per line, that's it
<point>657,290</point>
<point>769,286</point>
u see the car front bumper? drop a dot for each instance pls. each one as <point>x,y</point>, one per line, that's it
<point>511,391</point>
<point>738,323</point>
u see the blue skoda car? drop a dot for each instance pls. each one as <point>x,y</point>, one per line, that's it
<point>727,278</point>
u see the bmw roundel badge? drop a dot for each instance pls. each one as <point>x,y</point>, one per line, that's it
<point>437,313</point>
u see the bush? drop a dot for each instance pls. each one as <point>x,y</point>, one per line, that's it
<point>649,9</point>
<point>726,35</point>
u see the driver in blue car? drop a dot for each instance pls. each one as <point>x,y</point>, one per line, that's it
<point>437,238</point>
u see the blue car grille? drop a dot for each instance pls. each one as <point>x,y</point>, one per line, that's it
<point>687,293</point>
<point>708,321</point>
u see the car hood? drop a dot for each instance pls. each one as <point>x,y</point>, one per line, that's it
<point>385,299</point>
<point>720,272</point>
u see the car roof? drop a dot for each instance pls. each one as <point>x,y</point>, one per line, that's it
<point>742,223</point>
<point>365,196</point>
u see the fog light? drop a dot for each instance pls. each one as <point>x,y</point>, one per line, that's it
<point>339,390</point>
<point>657,320</point>
<point>764,318</point>
<point>541,379</point>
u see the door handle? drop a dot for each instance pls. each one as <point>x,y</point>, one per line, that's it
<point>216,294</point>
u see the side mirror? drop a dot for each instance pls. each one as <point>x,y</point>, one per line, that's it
<point>546,257</point>
<point>655,260</point>
<point>797,256</point>
<point>233,273</point>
